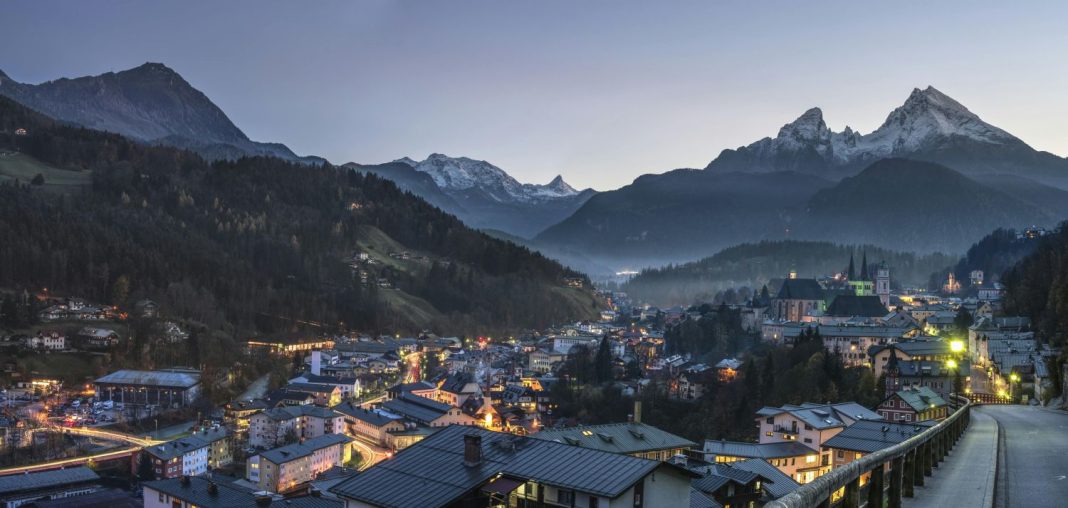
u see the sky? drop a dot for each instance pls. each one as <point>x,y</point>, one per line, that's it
<point>600,92</point>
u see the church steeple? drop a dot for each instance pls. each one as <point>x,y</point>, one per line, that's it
<point>852,273</point>
<point>892,371</point>
<point>864,267</point>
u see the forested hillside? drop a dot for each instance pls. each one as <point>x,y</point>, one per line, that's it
<point>754,264</point>
<point>1037,287</point>
<point>993,254</point>
<point>259,243</point>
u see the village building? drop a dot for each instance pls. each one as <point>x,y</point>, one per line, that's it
<point>21,489</point>
<point>203,492</point>
<point>165,387</point>
<point>286,468</point>
<point>273,427</point>
<point>430,413</point>
<point>796,299</point>
<point>50,340</point>
<point>187,456</point>
<point>473,463</point>
<point>867,436</point>
<point>913,404</point>
<point>795,460</point>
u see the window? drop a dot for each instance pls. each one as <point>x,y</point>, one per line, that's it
<point>564,497</point>
<point>840,454</point>
<point>162,498</point>
<point>771,419</point>
<point>594,500</point>
<point>808,440</point>
<point>808,427</point>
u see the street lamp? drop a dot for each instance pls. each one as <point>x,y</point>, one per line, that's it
<point>956,346</point>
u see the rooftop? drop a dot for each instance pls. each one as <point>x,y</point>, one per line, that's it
<point>800,289</point>
<point>623,438</point>
<point>203,493</point>
<point>824,416</point>
<point>869,436</point>
<point>177,447</point>
<point>757,450</point>
<point>853,306</point>
<point>436,466</point>
<point>294,451</point>
<point>45,479</point>
<point>921,398</point>
<point>165,378</point>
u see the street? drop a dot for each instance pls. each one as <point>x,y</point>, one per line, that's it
<point>1033,456</point>
<point>371,454</point>
<point>966,477</point>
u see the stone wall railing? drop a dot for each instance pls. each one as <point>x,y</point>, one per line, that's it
<point>893,471</point>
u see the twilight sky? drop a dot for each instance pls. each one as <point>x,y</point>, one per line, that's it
<point>598,91</point>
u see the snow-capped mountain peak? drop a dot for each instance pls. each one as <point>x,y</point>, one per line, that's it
<point>406,160</point>
<point>465,174</point>
<point>928,115</point>
<point>926,120</point>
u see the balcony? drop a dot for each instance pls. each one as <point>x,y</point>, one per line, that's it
<point>785,430</point>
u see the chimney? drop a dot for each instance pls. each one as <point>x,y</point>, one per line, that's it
<point>637,411</point>
<point>472,450</point>
<point>316,362</point>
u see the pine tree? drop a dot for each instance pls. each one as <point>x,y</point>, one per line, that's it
<point>603,361</point>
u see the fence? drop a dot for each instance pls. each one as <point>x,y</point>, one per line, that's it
<point>894,471</point>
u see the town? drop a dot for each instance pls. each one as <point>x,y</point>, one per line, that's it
<point>357,417</point>
<point>549,254</point>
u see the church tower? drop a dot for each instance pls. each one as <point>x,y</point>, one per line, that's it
<point>882,284</point>
<point>892,371</point>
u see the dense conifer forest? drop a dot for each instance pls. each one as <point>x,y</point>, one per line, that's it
<point>258,244</point>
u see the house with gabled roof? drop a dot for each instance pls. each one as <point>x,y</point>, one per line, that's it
<point>913,404</point>
<point>460,466</point>
<point>810,425</point>
<point>869,436</point>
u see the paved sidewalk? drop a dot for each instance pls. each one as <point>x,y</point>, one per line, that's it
<point>966,477</point>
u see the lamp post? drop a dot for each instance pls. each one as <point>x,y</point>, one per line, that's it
<point>1014,379</point>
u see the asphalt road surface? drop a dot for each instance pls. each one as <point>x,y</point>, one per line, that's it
<point>1032,456</point>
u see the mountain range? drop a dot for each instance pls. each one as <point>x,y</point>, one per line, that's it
<point>929,126</point>
<point>483,195</point>
<point>933,177</point>
<point>150,103</point>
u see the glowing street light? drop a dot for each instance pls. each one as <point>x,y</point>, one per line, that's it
<point>952,364</point>
<point>1014,378</point>
<point>956,346</point>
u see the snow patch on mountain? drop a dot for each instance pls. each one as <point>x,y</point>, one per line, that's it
<point>927,118</point>
<point>465,174</point>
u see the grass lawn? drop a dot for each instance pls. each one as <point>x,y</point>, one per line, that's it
<point>23,167</point>
<point>69,367</point>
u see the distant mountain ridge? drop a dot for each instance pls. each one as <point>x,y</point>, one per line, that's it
<point>150,103</point>
<point>481,194</point>
<point>768,189</point>
<point>929,126</point>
